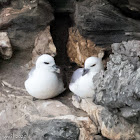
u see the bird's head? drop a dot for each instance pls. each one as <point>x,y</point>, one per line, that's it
<point>92,64</point>
<point>47,62</point>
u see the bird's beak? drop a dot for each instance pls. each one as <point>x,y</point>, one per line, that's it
<point>56,68</point>
<point>85,71</point>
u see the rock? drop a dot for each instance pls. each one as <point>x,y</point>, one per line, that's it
<point>20,117</point>
<point>24,24</point>
<point>103,23</point>
<point>31,4</point>
<point>98,137</point>
<point>63,5</point>
<point>117,94</point>
<point>87,128</point>
<point>45,108</point>
<point>118,87</point>
<point>55,129</point>
<point>80,48</point>
<point>5,46</point>
<point>43,45</point>
<point>4,2</point>
<point>110,125</point>
<point>130,8</point>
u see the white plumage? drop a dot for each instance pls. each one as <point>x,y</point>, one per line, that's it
<point>82,83</point>
<point>44,80</point>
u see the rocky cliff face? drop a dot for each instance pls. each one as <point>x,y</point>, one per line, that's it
<point>105,23</point>
<point>23,20</point>
<point>74,29</point>
<point>119,87</point>
<point>109,124</point>
<point>116,104</point>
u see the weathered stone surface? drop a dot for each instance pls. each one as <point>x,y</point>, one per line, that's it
<point>52,108</point>
<point>55,129</point>
<point>118,87</point>
<point>103,23</point>
<point>63,5</point>
<point>5,46</point>
<point>98,137</point>
<point>4,2</point>
<point>43,45</point>
<point>80,48</point>
<point>110,125</point>
<point>30,3</point>
<point>41,119</point>
<point>131,8</point>
<point>24,24</point>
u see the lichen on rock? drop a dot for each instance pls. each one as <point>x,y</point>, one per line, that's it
<point>109,124</point>
<point>118,87</point>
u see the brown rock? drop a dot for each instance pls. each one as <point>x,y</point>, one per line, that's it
<point>5,46</point>
<point>80,48</point>
<point>111,126</point>
<point>43,45</point>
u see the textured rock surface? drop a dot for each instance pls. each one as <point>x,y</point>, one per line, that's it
<point>103,23</point>
<point>118,87</point>
<point>4,2</point>
<point>24,23</point>
<point>130,8</point>
<point>63,5</point>
<point>52,130</point>
<point>98,137</point>
<point>43,45</point>
<point>5,46</point>
<point>42,119</point>
<point>79,48</point>
<point>110,125</point>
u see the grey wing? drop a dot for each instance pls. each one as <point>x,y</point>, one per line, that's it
<point>61,76</point>
<point>62,83</point>
<point>76,75</point>
<point>31,72</point>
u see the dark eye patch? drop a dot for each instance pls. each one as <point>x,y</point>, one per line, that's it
<point>93,65</point>
<point>46,63</point>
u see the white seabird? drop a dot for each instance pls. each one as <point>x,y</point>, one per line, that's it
<point>82,79</point>
<point>44,80</point>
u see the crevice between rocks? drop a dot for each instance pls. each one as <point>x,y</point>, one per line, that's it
<point>60,32</point>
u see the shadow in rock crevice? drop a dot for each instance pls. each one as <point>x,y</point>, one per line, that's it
<point>59,31</point>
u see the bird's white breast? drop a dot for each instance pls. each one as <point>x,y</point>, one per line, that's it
<point>42,84</point>
<point>83,87</point>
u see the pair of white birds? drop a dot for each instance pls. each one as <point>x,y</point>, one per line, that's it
<point>45,82</point>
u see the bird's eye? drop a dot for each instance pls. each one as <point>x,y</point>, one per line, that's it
<point>93,65</point>
<point>46,63</point>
